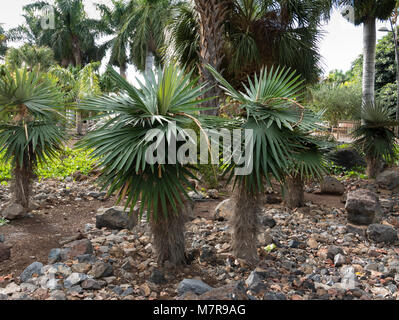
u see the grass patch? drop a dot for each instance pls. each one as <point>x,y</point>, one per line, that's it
<point>3,222</point>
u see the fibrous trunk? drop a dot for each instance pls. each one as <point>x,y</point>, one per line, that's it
<point>293,192</point>
<point>369,49</point>
<point>373,167</point>
<point>122,70</point>
<point>245,225</point>
<point>168,236</point>
<point>79,123</point>
<point>22,184</point>
<point>212,14</point>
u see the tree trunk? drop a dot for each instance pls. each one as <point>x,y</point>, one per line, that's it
<point>77,52</point>
<point>293,192</point>
<point>245,225</point>
<point>79,123</point>
<point>168,237</point>
<point>149,62</point>
<point>369,48</point>
<point>22,184</point>
<point>373,167</point>
<point>123,70</point>
<point>212,14</point>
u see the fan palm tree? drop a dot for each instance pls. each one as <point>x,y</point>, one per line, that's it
<point>29,128</point>
<point>145,22</point>
<point>74,38</point>
<point>30,57</point>
<point>112,20</point>
<point>281,147</point>
<point>376,136</point>
<point>166,101</point>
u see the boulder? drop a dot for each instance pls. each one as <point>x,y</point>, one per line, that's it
<point>193,285</point>
<point>347,158</point>
<point>102,270</point>
<point>34,269</point>
<point>224,210</point>
<point>389,179</point>
<point>14,211</point>
<point>330,185</point>
<point>5,252</point>
<point>382,233</point>
<point>363,207</point>
<point>76,248</point>
<point>116,218</point>
<point>232,291</point>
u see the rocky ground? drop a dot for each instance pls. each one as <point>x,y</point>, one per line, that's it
<point>312,252</point>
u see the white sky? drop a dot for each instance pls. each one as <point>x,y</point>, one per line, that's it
<point>341,44</point>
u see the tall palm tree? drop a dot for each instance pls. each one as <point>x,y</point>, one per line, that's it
<point>74,37</point>
<point>30,57</point>
<point>251,34</point>
<point>144,25</point>
<point>167,97</point>
<point>282,147</point>
<point>366,12</point>
<point>112,20</point>
<point>29,128</point>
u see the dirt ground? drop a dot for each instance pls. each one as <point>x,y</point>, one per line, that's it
<point>33,238</point>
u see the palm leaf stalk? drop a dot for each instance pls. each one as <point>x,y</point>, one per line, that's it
<point>30,125</point>
<point>167,100</point>
<point>281,131</point>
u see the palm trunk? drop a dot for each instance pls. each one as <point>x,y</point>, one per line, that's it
<point>123,70</point>
<point>22,183</point>
<point>373,167</point>
<point>168,237</point>
<point>77,52</point>
<point>293,192</point>
<point>369,43</point>
<point>245,225</point>
<point>149,62</point>
<point>79,123</point>
<point>212,14</point>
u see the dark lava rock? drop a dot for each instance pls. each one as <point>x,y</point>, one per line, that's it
<point>382,233</point>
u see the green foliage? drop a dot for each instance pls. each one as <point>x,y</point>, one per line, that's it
<point>333,169</point>
<point>375,137</point>
<point>64,164</point>
<point>30,56</point>
<point>3,222</point>
<point>169,95</point>
<point>281,129</point>
<point>338,101</point>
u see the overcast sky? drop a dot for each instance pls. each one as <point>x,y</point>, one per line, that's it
<point>341,45</point>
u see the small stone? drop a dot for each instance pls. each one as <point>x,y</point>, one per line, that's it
<point>333,251</point>
<point>77,248</point>
<point>157,277</point>
<point>331,185</point>
<point>102,270</point>
<point>10,289</point>
<point>382,233</point>
<point>54,256</point>
<point>33,269</point>
<point>312,243</point>
<point>14,211</point>
<point>116,218</point>
<point>91,284</point>
<point>224,210</point>
<point>193,285</point>
<point>274,296</point>
<point>74,279</point>
<point>339,260</point>
<point>5,252</point>
<point>58,295</point>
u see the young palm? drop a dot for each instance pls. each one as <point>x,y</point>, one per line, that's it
<point>166,101</point>
<point>375,136</point>
<point>29,125</point>
<point>280,128</point>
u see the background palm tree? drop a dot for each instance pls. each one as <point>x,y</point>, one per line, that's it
<point>112,20</point>
<point>74,38</point>
<point>29,131</point>
<point>166,97</point>
<point>144,25</point>
<point>366,12</point>
<point>3,42</point>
